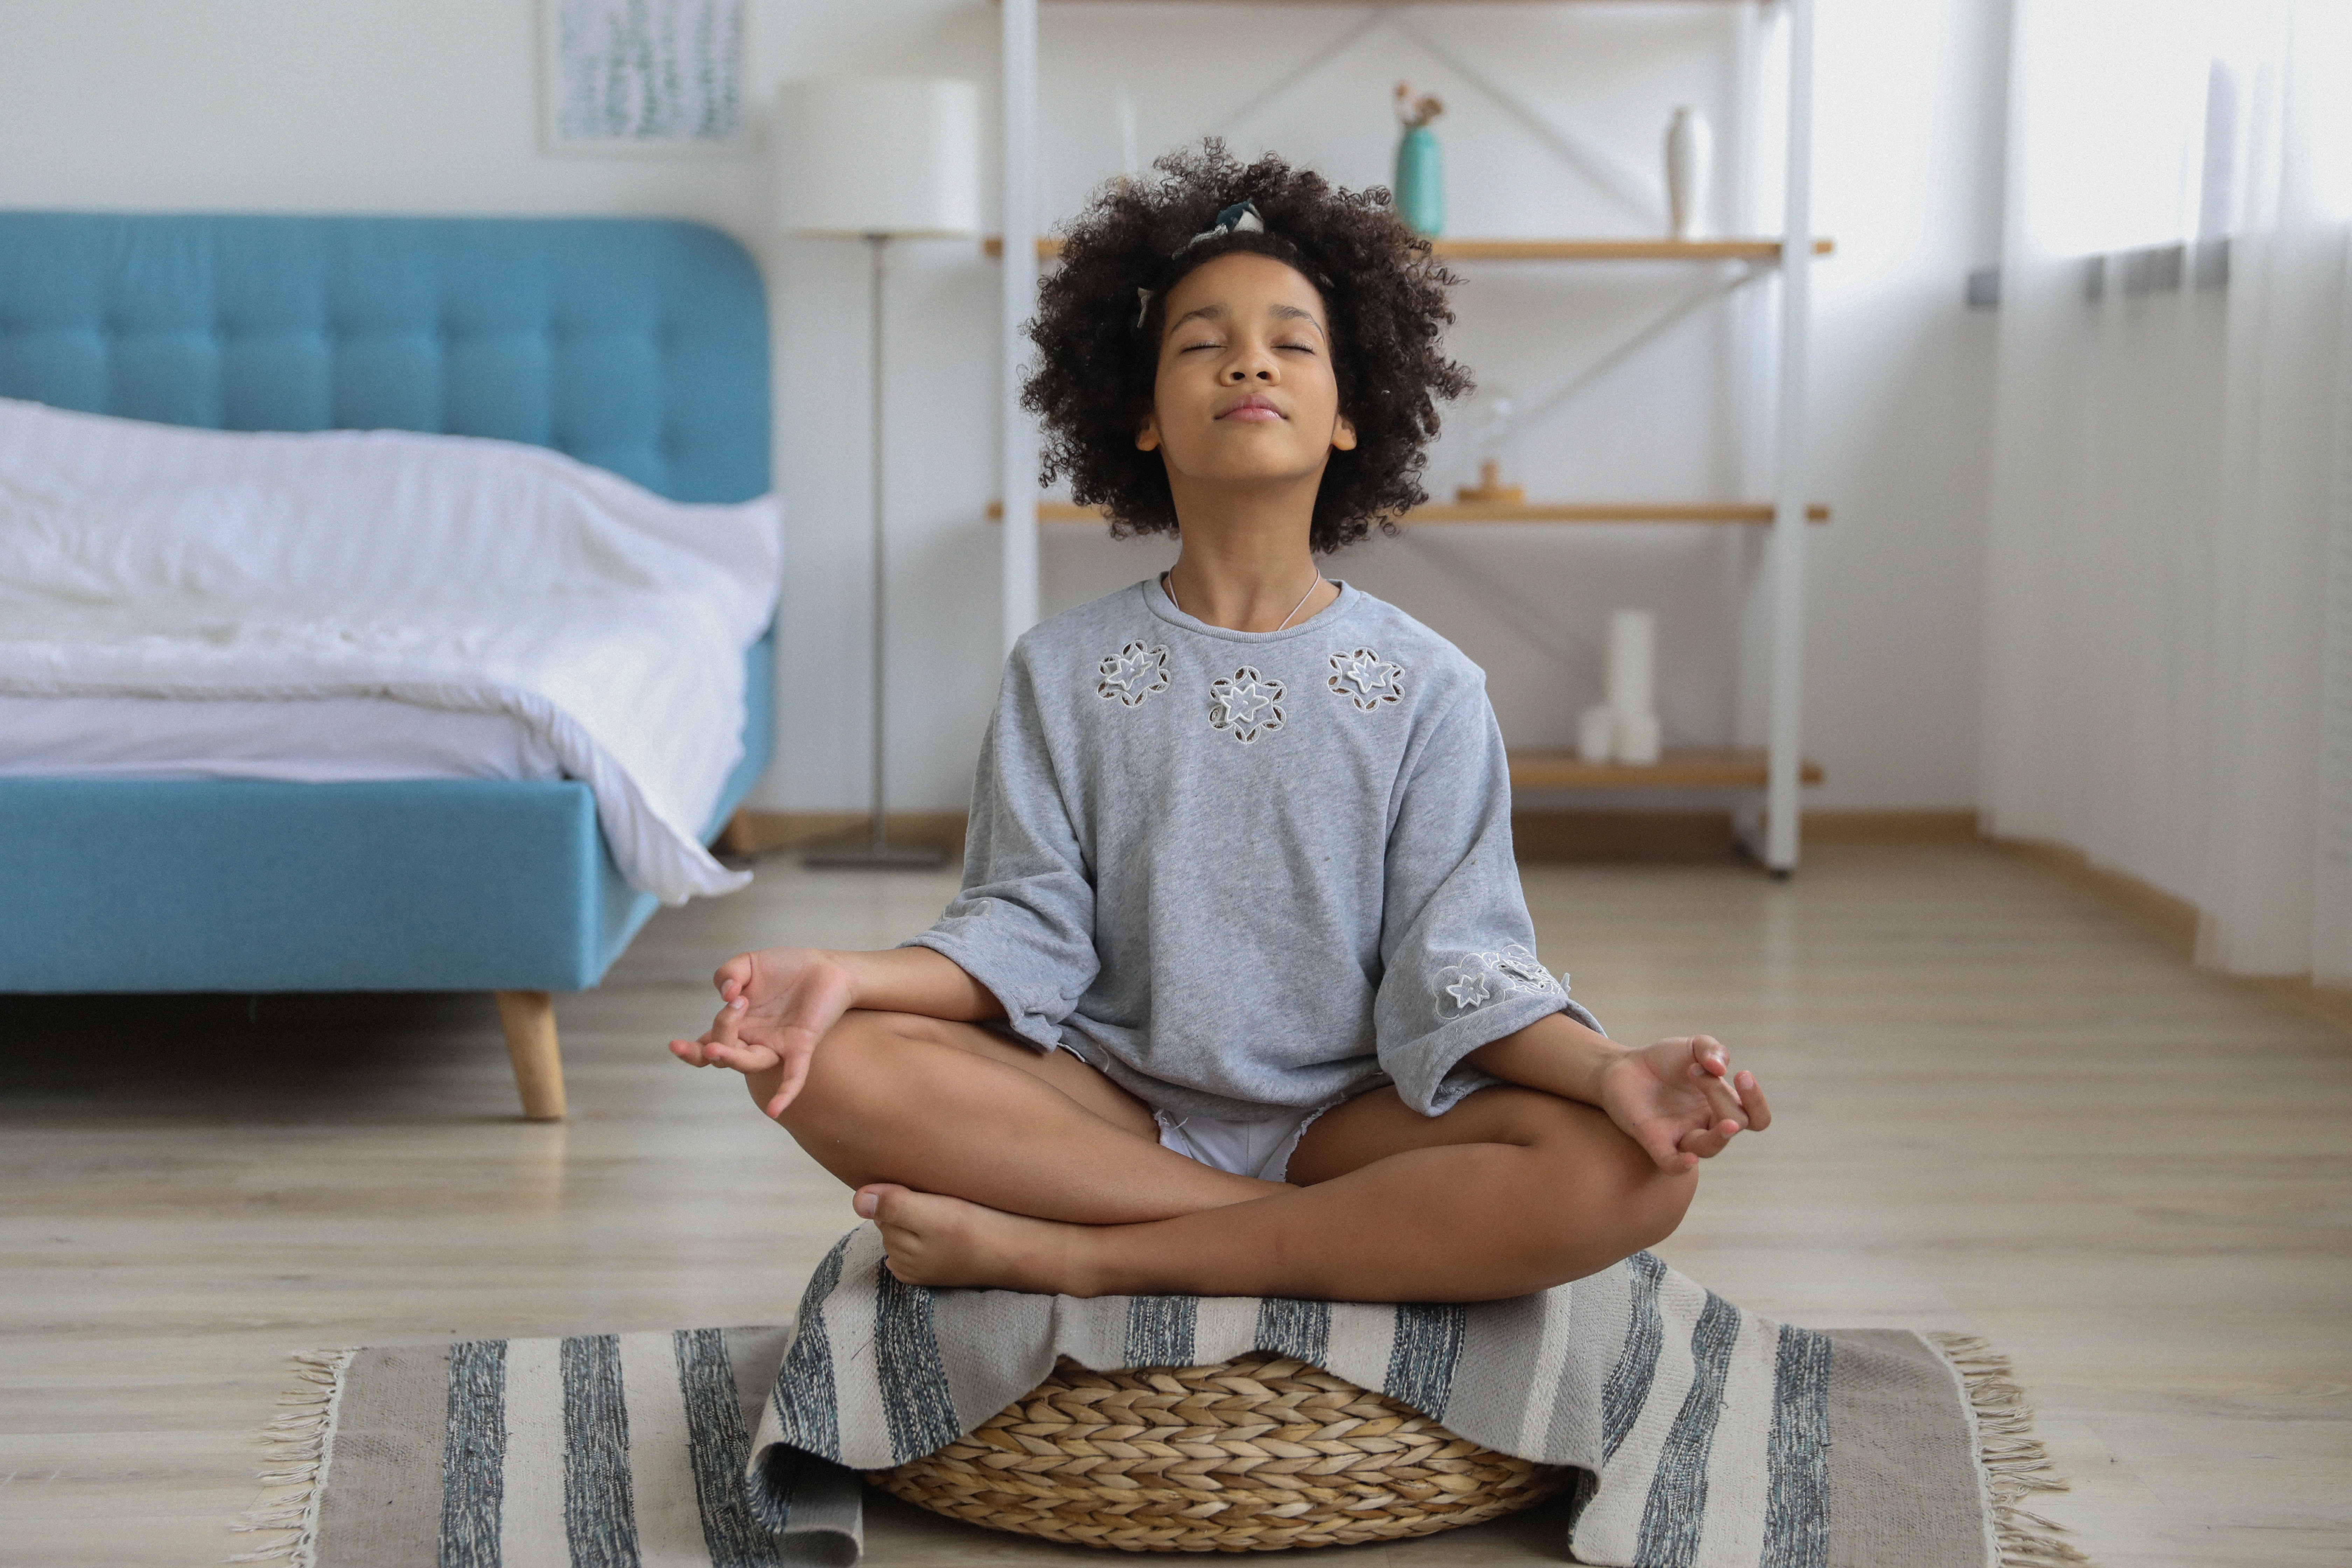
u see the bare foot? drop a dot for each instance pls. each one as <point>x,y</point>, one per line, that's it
<point>938,1240</point>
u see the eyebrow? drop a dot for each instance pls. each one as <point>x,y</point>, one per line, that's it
<point>1291,313</point>
<point>1281,312</point>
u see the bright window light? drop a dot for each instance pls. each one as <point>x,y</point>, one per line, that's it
<point>2322,43</point>
<point>2114,100</point>
<point>2148,123</point>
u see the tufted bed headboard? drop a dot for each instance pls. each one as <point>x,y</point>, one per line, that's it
<point>638,345</point>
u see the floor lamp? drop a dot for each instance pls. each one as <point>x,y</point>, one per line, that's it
<point>879,159</point>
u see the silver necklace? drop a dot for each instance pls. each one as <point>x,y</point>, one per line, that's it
<point>1168,587</point>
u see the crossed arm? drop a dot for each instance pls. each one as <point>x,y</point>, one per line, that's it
<point>1677,1099</point>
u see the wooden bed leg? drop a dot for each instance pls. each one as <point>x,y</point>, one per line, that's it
<point>739,837</point>
<point>528,1018</point>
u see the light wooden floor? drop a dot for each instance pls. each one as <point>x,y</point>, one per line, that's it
<point>2002,1111</point>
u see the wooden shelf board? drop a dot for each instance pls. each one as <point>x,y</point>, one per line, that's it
<point>1756,249</point>
<point>1748,512</point>
<point>1694,768</point>
<point>1359,3</point>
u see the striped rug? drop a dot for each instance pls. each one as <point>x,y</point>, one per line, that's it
<point>1710,1437</point>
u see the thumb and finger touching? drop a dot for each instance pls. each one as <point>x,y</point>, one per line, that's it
<point>1693,1113</point>
<point>706,1049</point>
<point>795,1063</point>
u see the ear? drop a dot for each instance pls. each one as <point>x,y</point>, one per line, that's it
<point>1343,434</point>
<point>1147,440</point>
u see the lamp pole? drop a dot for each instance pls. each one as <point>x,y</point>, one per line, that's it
<point>1019,281</point>
<point>879,851</point>
<point>879,159</point>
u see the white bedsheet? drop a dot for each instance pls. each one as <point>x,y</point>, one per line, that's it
<point>475,577</point>
<point>310,740</point>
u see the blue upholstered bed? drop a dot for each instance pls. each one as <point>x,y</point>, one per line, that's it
<point>638,346</point>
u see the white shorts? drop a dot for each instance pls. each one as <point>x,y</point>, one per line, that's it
<point>1259,1149</point>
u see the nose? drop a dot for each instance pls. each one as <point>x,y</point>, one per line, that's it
<point>1255,362</point>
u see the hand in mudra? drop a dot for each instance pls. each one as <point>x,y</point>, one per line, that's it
<point>774,1006</point>
<point>1680,1101</point>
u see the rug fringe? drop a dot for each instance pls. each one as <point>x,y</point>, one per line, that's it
<point>295,1446</point>
<point>2013,1461</point>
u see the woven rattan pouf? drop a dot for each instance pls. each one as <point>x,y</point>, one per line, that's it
<point>1259,1454</point>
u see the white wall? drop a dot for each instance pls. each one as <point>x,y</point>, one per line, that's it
<point>430,106</point>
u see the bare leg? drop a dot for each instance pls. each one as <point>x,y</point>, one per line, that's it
<point>1510,1192</point>
<point>956,1110</point>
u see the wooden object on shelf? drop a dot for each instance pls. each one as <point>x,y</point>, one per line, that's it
<point>1751,249</point>
<point>1750,512</point>
<point>1696,768</point>
<point>1490,490</point>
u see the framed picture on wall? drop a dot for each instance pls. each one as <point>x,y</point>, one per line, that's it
<point>643,76</point>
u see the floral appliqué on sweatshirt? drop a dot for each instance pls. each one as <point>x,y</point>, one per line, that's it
<point>1478,978</point>
<point>1246,707</point>
<point>1366,680</point>
<point>1133,673</point>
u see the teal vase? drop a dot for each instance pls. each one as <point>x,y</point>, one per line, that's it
<point>1421,182</point>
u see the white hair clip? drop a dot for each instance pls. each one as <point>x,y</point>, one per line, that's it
<point>1239,218</point>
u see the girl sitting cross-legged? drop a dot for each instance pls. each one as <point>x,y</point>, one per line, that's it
<point>1240,996</point>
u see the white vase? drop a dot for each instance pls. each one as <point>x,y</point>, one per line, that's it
<point>1690,167</point>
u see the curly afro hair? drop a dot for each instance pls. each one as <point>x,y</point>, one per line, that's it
<point>1385,295</point>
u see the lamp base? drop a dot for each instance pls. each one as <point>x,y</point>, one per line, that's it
<point>869,855</point>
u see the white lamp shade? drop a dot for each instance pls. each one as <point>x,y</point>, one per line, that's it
<point>894,155</point>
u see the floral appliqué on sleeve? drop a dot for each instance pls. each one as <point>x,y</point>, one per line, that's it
<point>1133,673</point>
<point>1366,680</point>
<point>1248,706</point>
<point>1482,977</point>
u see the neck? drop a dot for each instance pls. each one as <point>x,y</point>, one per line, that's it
<point>1245,563</point>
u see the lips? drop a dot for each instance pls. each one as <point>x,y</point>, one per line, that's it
<point>1253,410</point>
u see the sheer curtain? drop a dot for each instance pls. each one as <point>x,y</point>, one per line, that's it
<point>2168,633</point>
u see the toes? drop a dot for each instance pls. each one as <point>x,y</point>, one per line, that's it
<point>868,1200</point>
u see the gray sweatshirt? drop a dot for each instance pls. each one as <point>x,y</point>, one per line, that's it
<point>1239,871</point>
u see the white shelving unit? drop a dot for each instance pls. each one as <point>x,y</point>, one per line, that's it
<point>1766,781</point>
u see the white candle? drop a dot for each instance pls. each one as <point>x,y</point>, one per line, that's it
<point>1596,733</point>
<point>1632,659</point>
<point>1638,739</point>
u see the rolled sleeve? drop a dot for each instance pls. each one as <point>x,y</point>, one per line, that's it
<point>1458,962</point>
<point>1022,925</point>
